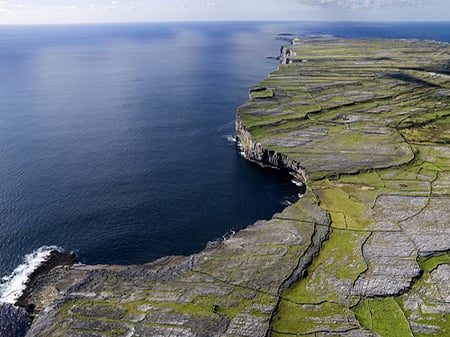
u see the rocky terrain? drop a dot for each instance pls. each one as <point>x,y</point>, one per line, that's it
<point>365,252</point>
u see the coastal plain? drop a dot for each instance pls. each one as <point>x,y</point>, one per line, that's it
<point>365,124</point>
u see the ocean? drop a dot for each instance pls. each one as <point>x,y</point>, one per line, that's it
<point>117,140</point>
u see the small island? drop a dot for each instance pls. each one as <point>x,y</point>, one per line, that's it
<point>365,125</point>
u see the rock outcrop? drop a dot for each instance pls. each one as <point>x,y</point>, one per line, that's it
<point>365,252</point>
<point>255,152</point>
<point>42,288</point>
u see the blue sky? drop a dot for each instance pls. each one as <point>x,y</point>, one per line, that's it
<point>80,11</point>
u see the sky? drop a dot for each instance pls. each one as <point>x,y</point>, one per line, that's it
<point>88,11</point>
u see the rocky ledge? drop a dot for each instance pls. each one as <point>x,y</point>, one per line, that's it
<point>365,252</point>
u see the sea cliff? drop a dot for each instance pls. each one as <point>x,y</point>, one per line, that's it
<point>364,252</point>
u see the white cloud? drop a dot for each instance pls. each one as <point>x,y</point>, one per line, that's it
<point>64,11</point>
<point>364,4</point>
<point>199,4</point>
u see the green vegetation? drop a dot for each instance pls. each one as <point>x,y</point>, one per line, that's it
<point>340,262</point>
<point>384,316</point>
<point>436,131</point>
<point>430,263</point>
<point>322,300</point>
<point>305,319</point>
<point>261,92</point>
<point>346,212</point>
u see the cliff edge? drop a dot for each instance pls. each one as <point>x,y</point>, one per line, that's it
<point>365,252</point>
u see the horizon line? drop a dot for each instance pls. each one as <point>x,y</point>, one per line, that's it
<point>216,21</point>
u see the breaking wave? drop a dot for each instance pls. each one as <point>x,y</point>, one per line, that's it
<point>12,286</point>
<point>231,139</point>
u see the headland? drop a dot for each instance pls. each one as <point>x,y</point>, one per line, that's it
<point>364,123</point>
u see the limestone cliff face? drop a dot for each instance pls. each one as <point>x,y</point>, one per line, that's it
<point>255,152</point>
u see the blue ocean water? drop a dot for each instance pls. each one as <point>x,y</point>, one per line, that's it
<point>116,140</point>
<point>113,139</point>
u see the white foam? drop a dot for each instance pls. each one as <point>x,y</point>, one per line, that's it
<point>231,139</point>
<point>228,235</point>
<point>12,286</point>
<point>286,203</point>
<point>298,183</point>
<point>241,151</point>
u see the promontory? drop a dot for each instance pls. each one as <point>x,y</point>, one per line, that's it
<point>365,124</point>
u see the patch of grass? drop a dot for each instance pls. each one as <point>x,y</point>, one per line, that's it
<point>435,132</point>
<point>366,180</point>
<point>296,319</point>
<point>383,316</point>
<point>340,262</point>
<point>363,314</point>
<point>261,92</point>
<point>341,202</point>
<point>352,138</point>
<point>428,264</point>
<point>436,157</point>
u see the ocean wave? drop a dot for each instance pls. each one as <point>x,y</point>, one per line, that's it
<point>228,235</point>
<point>286,202</point>
<point>298,183</point>
<point>12,286</point>
<point>241,150</point>
<point>231,138</point>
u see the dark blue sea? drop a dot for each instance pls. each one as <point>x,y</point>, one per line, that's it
<point>116,141</point>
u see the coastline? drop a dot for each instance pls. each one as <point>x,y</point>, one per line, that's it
<point>55,263</point>
<point>254,283</point>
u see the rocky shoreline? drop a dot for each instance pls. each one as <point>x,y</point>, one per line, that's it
<point>365,252</point>
<point>53,268</point>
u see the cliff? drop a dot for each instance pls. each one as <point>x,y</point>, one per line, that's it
<point>365,123</point>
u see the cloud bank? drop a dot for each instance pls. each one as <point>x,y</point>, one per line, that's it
<point>364,4</point>
<point>83,11</point>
